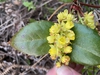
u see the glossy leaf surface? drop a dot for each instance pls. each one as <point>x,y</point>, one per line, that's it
<point>86,47</point>
<point>31,39</point>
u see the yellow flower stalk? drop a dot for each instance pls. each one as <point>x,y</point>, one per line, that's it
<point>60,38</point>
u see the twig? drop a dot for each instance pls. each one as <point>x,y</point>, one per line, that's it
<point>20,66</point>
<point>58,10</point>
<point>5,22</point>
<point>7,26</point>
<point>38,7</point>
<point>89,5</point>
<point>45,3</point>
<point>39,60</point>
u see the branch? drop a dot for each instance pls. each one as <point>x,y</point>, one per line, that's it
<point>89,5</point>
<point>58,10</point>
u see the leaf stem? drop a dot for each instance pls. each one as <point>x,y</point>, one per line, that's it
<point>80,19</point>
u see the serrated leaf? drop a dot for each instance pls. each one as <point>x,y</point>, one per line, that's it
<point>32,38</point>
<point>86,47</point>
<point>66,1</point>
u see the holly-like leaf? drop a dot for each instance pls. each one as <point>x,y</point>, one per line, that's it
<point>31,39</point>
<point>86,47</point>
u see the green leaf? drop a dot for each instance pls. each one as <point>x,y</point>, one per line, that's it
<point>86,47</point>
<point>31,39</point>
<point>2,0</point>
<point>29,5</point>
<point>66,1</point>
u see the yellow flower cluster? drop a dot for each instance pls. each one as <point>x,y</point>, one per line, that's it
<point>89,20</point>
<point>60,38</point>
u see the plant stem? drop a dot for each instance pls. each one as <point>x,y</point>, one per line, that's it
<point>58,10</point>
<point>80,19</point>
<point>89,5</point>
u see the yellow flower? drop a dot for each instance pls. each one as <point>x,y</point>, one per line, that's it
<point>91,25</point>
<point>58,64</point>
<point>58,44</point>
<point>70,17</point>
<point>53,52</point>
<point>55,29</point>
<point>67,40</point>
<point>62,40</point>
<point>70,34</point>
<point>65,59</point>
<point>68,49</point>
<point>98,66</point>
<point>88,16</point>
<point>60,37</point>
<point>63,27</point>
<point>69,24</point>
<point>62,16</point>
<point>89,20</point>
<point>51,39</point>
